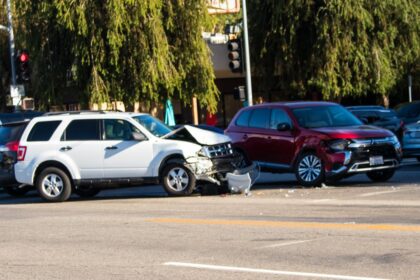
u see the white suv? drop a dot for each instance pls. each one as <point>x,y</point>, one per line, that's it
<point>84,152</point>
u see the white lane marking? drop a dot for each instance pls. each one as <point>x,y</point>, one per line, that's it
<point>268,271</point>
<point>288,243</point>
<point>378,193</point>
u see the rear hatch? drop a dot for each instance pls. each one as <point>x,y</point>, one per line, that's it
<point>10,134</point>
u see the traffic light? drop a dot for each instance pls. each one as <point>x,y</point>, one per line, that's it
<point>235,55</point>
<point>22,64</point>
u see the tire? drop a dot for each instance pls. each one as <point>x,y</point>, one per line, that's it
<point>381,175</point>
<point>309,170</point>
<point>53,184</point>
<point>86,192</point>
<point>18,190</point>
<point>177,180</point>
<point>242,159</point>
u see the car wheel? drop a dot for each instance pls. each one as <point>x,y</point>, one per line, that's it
<point>18,190</point>
<point>86,191</point>
<point>242,160</point>
<point>53,184</point>
<point>309,170</point>
<point>177,179</point>
<point>381,175</point>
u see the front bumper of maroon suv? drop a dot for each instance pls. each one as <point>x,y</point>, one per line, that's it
<point>364,155</point>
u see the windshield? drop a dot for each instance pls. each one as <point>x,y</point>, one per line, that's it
<point>325,116</point>
<point>153,125</point>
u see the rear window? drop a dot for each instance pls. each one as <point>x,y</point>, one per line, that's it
<point>243,118</point>
<point>10,133</point>
<point>42,131</point>
<point>82,130</point>
<point>260,118</point>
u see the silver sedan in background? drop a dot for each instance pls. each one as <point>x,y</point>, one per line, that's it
<point>411,140</point>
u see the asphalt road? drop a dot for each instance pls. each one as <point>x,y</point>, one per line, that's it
<point>353,230</point>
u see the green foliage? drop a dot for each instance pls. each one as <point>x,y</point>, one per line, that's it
<point>336,48</point>
<point>130,50</point>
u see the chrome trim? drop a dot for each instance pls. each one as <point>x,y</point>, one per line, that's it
<point>347,157</point>
<point>360,143</point>
<point>355,167</point>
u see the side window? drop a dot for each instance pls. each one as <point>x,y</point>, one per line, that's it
<point>279,116</point>
<point>243,118</point>
<point>260,118</point>
<point>119,130</point>
<point>82,130</point>
<point>42,131</point>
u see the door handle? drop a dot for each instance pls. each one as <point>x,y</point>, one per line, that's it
<point>111,148</point>
<point>245,137</point>
<point>67,148</point>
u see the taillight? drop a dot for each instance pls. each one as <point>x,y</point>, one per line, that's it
<point>21,152</point>
<point>13,146</point>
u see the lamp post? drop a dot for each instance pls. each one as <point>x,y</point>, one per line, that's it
<point>247,55</point>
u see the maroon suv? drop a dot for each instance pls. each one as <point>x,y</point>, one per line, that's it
<point>317,141</point>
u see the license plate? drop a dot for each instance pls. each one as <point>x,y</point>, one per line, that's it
<point>378,160</point>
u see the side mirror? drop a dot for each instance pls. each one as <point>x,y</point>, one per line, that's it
<point>283,127</point>
<point>138,136</point>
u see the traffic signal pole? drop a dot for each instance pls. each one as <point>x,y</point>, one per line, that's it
<point>11,43</point>
<point>247,55</point>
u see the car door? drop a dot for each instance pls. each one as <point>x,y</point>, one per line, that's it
<point>281,143</point>
<point>81,141</point>
<point>125,157</point>
<point>256,139</point>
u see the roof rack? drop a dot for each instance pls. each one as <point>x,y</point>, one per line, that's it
<point>77,112</point>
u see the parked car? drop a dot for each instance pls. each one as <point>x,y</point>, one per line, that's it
<point>409,112</point>
<point>205,127</point>
<point>411,140</point>
<point>10,134</point>
<point>379,116</point>
<point>317,141</point>
<point>86,151</point>
<point>18,116</point>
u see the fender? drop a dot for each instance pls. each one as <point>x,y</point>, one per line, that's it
<point>59,157</point>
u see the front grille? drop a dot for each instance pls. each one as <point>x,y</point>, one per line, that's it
<point>220,150</point>
<point>364,153</point>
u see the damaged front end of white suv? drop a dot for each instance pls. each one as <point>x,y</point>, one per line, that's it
<point>216,162</point>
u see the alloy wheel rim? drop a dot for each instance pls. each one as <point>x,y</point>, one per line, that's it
<point>177,179</point>
<point>309,168</point>
<point>52,185</point>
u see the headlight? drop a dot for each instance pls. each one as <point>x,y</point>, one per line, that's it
<point>393,139</point>
<point>339,145</point>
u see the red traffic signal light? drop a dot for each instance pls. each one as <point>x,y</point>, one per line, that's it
<point>24,57</point>
<point>22,71</point>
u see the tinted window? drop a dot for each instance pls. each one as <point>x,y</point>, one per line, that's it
<point>119,130</point>
<point>278,116</point>
<point>243,118</point>
<point>42,131</point>
<point>82,130</point>
<point>325,116</point>
<point>10,133</point>
<point>408,110</point>
<point>260,118</point>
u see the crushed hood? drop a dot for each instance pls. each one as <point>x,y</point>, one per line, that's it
<point>197,135</point>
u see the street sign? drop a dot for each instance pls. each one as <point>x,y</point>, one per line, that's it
<point>17,91</point>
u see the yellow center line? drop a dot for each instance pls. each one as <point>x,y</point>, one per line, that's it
<point>291,224</point>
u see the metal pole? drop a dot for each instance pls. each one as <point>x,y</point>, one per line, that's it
<point>12,43</point>
<point>247,55</point>
<point>410,82</point>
